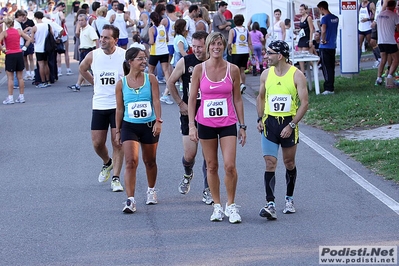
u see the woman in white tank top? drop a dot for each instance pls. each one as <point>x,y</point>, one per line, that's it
<point>278,27</point>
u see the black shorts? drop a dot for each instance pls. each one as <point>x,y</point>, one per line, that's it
<point>205,132</point>
<point>388,48</point>
<point>138,132</point>
<point>240,60</point>
<point>274,126</point>
<point>184,128</point>
<point>303,42</point>
<point>30,50</point>
<point>83,53</point>
<point>41,56</point>
<point>15,62</point>
<point>264,31</point>
<point>102,119</point>
<point>364,33</point>
<point>154,59</point>
<point>374,34</point>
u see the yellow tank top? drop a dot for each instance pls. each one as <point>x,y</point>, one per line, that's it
<point>281,97</point>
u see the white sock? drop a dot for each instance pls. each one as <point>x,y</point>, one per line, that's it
<point>21,96</point>
<point>150,189</point>
<point>131,199</point>
<point>59,70</point>
<point>11,97</point>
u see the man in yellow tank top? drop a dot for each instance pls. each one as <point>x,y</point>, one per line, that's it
<point>282,88</point>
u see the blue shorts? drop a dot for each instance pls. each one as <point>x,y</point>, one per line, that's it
<point>171,49</point>
<point>123,42</point>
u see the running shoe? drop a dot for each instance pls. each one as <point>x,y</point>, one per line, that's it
<point>74,88</point>
<point>69,72</point>
<point>20,99</point>
<point>231,211</point>
<point>116,185</point>
<point>217,214</point>
<point>376,64</point>
<point>105,172</point>
<point>59,74</point>
<point>243,87</point>
<point>289,205</point>
<point>378,82</point>
<point>161,81</point>
<point>207,196</point>
<point>43,85</point>
<point>327,92</point>
<point>8,101</point>
<point>166,99</point>
<point>16,87</point>
<point>184,186</point>
<point>269,211</point>
<point>130,206</point>
<point>151,197</point>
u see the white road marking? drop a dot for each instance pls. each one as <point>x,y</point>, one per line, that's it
<point>373,190</point>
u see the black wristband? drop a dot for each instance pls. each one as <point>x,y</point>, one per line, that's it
<point>259,119</point>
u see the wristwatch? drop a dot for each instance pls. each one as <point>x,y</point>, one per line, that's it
<point>292,125</point>
<point>242,127</point>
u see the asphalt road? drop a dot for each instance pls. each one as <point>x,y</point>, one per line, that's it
<point>54,212</point>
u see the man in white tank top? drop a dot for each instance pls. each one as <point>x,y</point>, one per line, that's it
<point>106,64</point>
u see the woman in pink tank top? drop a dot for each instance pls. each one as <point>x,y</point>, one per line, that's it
<point>217,83</point>
<point>14,58</point>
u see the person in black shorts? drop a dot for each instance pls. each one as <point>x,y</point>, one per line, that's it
<point>138,123</point>
<point>26,25</point>
<point>14,58</point>
<point>183,70</point>
<point>279,112</point>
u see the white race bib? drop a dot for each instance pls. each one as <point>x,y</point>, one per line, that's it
<point>139,110</point>
<point>280,103</point>
<point>199,92</point>
<point>215,108</point>
<point>106,77</point>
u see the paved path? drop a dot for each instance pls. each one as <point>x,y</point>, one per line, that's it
<point>54,211</point>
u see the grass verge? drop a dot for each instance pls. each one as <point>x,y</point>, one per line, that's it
<point>381,156</point>
<point>358,104</point>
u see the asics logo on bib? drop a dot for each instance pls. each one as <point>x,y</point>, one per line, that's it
<point>276,98</point>
<point>140,105</point>
<point>214,103</point>
<point>107,74</point>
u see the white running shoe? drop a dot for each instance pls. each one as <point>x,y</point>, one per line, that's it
<point>20,99</point>
<point>166,99</point>
<point>105,172</point>
<point>116,185</point>
<point>130,206</point>
<point>217,214</point>
<point>151,197</point>
<point>289,205</point>
<point>269,211</point>
<point>231,211</point>
<point>69,72</point>
<point>207,196</point>
<point>8,101</point>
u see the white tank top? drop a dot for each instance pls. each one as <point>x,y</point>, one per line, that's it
<point>278,32</point>
<point>107,71</point>
<point>120,23</point>
<point>160,47</point>
<point>364,13</point>
<point>205,24</point>
<point>171,31</point>
<point>40,36</point>
<point>240,41</point>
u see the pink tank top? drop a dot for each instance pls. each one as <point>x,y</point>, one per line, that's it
<point>217,109</point>
<point>12,41</point>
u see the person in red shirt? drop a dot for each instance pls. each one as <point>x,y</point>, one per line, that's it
<point>227,14</point>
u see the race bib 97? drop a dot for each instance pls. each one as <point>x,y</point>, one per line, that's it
<point>280,103</point>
